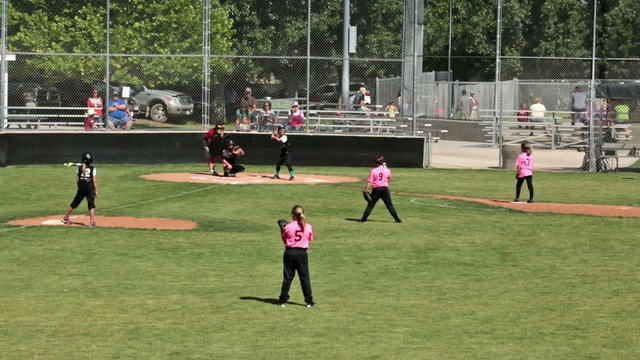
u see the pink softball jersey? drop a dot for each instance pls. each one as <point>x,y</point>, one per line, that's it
<point>525,162</point>
<point>379,177</point>
<point>294,237</point>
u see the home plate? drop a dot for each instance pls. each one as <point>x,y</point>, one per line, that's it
<point>249,178</point>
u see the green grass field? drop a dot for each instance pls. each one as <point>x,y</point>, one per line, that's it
<point>456,280</point>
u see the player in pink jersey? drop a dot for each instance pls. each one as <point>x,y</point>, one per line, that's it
<point>378,182</point>
<point>296,236</point>
<point>524,171</point>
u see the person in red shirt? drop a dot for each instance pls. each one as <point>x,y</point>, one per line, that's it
<point>214,141</point>
<point>378,184</point>
<point>296,236</point>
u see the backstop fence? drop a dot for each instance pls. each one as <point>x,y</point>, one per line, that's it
<point>474,72</point>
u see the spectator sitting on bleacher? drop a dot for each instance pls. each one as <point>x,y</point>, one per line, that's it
<point>296,117</point>
<point>118,115</point>
<point>538,112</point>
<point>243,122</point>
<point>92,122</point>
<point>267,118</point>
<point>523,113</point>
<point>360,100</point>
<point>96,102</point>
<point>392,109</point>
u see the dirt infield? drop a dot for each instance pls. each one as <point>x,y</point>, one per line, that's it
<point>559,208</point>
<point>110,221</point>
<point>248,178</point>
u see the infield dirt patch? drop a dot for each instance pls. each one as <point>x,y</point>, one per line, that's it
<point>559,208</point>
<point>110,221</point>
<point>248,178</point>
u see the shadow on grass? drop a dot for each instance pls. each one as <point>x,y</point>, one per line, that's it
<point>368,220</point>
<point>271,301</point>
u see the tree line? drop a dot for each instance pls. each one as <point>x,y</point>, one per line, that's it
<point>269,39</point>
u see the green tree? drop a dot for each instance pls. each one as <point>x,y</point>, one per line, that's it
<point>620,26</point>
<point>137,27</point>
<point>279,28</point>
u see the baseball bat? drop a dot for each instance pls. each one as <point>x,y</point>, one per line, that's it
<point>71,164</point>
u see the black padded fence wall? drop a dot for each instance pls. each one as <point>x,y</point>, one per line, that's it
<point>186,147</point>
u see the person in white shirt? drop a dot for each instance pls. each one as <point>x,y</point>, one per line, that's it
<point>578,105</point>
<point>538,110</point>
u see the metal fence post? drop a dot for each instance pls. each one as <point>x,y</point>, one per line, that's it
<point>3,69</point>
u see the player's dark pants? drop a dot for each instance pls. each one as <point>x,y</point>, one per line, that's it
<point>529,186</point>
<point>295,259</point>
<point>377,194</point>
<point>84,191</point>
<point>285,158</point>
<point>234,169</point>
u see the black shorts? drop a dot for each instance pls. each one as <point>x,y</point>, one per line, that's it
<point>84,192</point>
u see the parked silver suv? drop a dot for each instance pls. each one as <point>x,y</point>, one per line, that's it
<point>159,105</point>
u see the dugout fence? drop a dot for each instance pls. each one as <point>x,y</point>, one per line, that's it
<point>416,56</point>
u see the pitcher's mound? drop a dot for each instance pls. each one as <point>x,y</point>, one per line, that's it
<point>248,178</point>
<point>111,221</point>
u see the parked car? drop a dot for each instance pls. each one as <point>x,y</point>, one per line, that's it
<point>32,95</point>
<point>158,105</point>
<point>329,94</point>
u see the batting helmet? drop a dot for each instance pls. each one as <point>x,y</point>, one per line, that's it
<point>87,158</point>
<point>280,127</point>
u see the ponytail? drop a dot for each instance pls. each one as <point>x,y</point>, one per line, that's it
<point>84,167</point>
<point>299,216</point>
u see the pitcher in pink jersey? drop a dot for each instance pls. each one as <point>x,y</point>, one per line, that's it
<point>296,237</point>
<point>524,171</point>
<point>378,182</point>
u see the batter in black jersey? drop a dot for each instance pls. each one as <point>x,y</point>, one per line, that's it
<point>86,179</point>
<point>280,135</point>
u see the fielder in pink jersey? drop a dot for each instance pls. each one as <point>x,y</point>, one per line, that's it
<point>378,183</point>
<point>296,236</point>
<point>524,171</point>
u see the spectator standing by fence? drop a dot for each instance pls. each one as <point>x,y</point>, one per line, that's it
<point>465,103</point>
<point>607,114</point>
<point>578,105</point>
<point>475,106</point>
<point>622,113</point>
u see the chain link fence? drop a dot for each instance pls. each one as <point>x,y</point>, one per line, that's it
<point>187,64</point>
